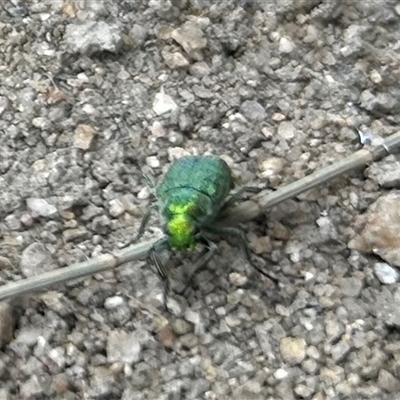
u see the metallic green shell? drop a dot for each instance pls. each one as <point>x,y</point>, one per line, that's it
<point>204,180</point>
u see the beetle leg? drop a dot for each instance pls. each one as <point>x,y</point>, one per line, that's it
<point>160,268</point>
<point>201,263</point>
<point>145,221</point>
<point>142,227</point>
<point>150,181</point>
<point>240,235</point>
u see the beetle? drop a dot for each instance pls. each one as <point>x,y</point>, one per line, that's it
<point>192,194</point>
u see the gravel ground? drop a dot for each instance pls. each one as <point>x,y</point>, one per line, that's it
<point>94,91</point>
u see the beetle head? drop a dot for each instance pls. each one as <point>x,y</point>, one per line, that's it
<point>181,232</point>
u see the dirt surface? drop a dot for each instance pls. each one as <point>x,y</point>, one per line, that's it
<point>93,92</point>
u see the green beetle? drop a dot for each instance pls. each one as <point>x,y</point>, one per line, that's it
<point>191,196</point>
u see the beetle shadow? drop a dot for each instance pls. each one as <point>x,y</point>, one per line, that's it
<point>215,276</point>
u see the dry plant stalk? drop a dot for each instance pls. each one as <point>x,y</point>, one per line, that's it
<point>243,212</point>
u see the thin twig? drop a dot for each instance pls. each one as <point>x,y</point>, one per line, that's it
<point>245,211</point>
<point>74,271</point>
<point>252,209</point>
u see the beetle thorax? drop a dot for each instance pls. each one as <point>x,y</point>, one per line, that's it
<point>181,226</point>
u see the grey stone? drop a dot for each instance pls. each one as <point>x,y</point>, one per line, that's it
<point>253,110</point>
<point>385,172</point>
<point>382,102</point>
<point>90,212</point>
<point>116,208</point>
<point>71,235</point>
<point>197,388</point>
<point>340,351</point>
<point>286,130</point>
<point>12,222</point>
<point>175,60</point>
<point>138,33</point>
<point>41,123</point>
<point>35,260</point>
<point>388,382</point>
<point>4,104</point>
<point>17,11</point>
<point>123,347</point>
<point>40,207</point>
<point>351,286</point>
<point>202,92</point>
<point>90,37</point>
<point>5,263</point>
<point>191,38</point>
<point>102,383</point>
<point>101,224</point>
<point>251,390</point>
<point>32,388</point>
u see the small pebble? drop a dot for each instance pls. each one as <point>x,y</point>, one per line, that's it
<point>181,327</point>
<point>281,373</point>
<point>175,60</point>
<point>31,388</point>
<point>293,350</point>
<point>253,110</point>
<point>116,208</point>
<point>386,274</point>
<point>12,222</point>
<point>144,193</point>
<point>41,123</point>
<point>286,130</point>
<point>153,162</point>
<point>5,263</point>
<point>232,322</point>
<point>286,46</point>
<point>191,38</point>
<point>26,220</point>
<point>71,235</point>
<point>89,37</point>
<point>111,303</point>
<point>261,244</point>
<point>83,136</point>
<point>237,279</point>
<point>123,346</point>
<point>163,104</point>
<point>271,167</point>
<point>35,260</point>
<point>278,117</point>
<point>388,382</point>
<point>174,153</point>
<point>40,207</point>
<point>157,129</point>
<point>167,336</point>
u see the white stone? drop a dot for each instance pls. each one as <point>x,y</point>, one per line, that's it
<point>41,207</point>
<point>163,104</point>
<point>286,46</point>
<point>386,274</point>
